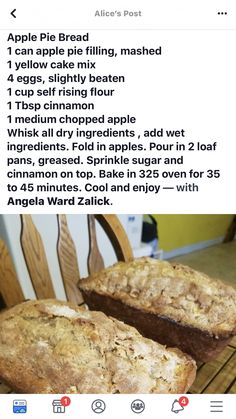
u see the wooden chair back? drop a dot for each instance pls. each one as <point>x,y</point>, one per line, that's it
<point>37,263</point>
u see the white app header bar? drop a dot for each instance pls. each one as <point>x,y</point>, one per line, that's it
<point>154,14</point>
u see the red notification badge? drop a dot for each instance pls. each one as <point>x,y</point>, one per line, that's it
<point>183,401</point>
<point>65,401</point>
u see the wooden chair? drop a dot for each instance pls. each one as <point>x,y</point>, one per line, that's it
<point>37,263</point>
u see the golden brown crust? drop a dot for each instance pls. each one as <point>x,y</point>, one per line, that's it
<point>174,291</point>
<point>50,346</point>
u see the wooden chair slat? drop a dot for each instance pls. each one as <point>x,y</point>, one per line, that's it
<point>9,285</point>
<point>223,380</point>
<point>68,261</point>
<point>95,260</point>
<point>117,235</point>
<point>35,259</point>
<point>209,370</point>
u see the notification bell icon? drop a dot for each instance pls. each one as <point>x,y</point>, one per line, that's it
<point>176,407</point>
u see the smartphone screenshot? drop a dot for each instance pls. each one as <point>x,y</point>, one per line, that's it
<point>117,209</point>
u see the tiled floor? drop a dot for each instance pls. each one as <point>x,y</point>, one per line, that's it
<point>217,261</point>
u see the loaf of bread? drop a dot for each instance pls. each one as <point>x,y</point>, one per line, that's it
<point>172,304</point>
<point>50,346</point>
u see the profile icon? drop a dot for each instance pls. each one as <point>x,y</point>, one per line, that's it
<point>98,406</point>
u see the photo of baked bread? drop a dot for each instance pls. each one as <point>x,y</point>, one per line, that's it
<point>49,346</point>
<point>172,304</point>
<point>117,304</point>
